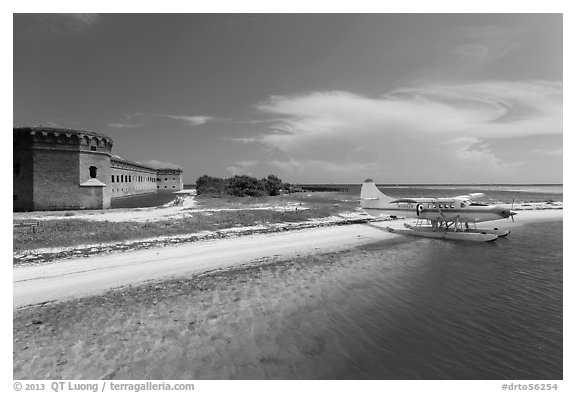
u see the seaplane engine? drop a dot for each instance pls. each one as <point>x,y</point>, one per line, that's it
<point>419,208</point>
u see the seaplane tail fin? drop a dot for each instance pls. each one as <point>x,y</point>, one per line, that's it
<point>371,196</point>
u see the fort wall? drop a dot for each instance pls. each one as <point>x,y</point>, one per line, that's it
<point>130,178</point>
<point>169,180</point>
<point>61,169</point>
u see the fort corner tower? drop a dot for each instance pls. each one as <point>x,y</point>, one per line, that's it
<point>60,169</point>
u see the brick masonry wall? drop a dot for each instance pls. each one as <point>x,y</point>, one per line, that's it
<point>23,175</point>
<point>58,174</point>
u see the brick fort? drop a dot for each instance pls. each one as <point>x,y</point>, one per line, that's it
<point>66,169</point>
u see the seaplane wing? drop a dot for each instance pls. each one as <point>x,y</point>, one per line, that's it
<point>408,200</point>
<point>468,197</point>
<point>442,215</point>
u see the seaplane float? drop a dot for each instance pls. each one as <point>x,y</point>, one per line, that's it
<point>452,218</point>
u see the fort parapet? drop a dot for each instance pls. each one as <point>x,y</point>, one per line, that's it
<point>62,169</point>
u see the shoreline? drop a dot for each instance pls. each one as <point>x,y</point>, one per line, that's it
<point>48,282</point>
<point>94,275</point>
<point>55,254</point>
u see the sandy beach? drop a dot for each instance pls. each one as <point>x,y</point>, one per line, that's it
<point>90,276</point>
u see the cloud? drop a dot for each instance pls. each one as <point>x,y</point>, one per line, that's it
<point>62,23</point>
<point>191,120</point>
<point>419,128</point>
<point>242,167</point>
<point>135,120</point>
<point>160,164</point>
<point>123,125</point>
<point>484,43</point>
<point>474,153</point>
<point>552,152</point>
<point>472,50</point>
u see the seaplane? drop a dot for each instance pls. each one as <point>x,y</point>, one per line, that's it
<point>452,218</point>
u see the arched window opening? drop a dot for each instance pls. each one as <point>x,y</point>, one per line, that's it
<point>93,172</point>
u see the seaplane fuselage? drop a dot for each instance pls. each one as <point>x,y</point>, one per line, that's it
<point>440,210</point>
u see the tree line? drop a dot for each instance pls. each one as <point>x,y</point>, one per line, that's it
<point>241,185</point>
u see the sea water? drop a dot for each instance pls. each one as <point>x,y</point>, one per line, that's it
<point>416,308</point>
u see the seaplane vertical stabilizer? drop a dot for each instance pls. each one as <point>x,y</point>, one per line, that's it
<point>372,197</point>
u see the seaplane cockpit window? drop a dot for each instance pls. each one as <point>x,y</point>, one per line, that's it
<point>451,206</point>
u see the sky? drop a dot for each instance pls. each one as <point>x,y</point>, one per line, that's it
<point>311,98</point>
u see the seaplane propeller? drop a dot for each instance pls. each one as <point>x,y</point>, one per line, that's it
<point>509,213</point>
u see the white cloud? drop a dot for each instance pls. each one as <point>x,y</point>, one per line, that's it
<point>553,152</point>
<point>235,170</point>
<point>242,167</point>
<point>60,23</point>
<point>418,128</point>
<point>160,164</point>
<point>484,43</point>
<point>123,125</point>
<point>191,120</point>
<point>129,119</point>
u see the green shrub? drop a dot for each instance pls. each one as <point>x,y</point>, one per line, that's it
<point>240,185</point>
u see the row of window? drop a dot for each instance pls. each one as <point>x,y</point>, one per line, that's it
<point>443,206</point>
<point>129,189</point>
<point>128,178</point>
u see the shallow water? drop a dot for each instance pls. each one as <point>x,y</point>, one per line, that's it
<point>412,308</point>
